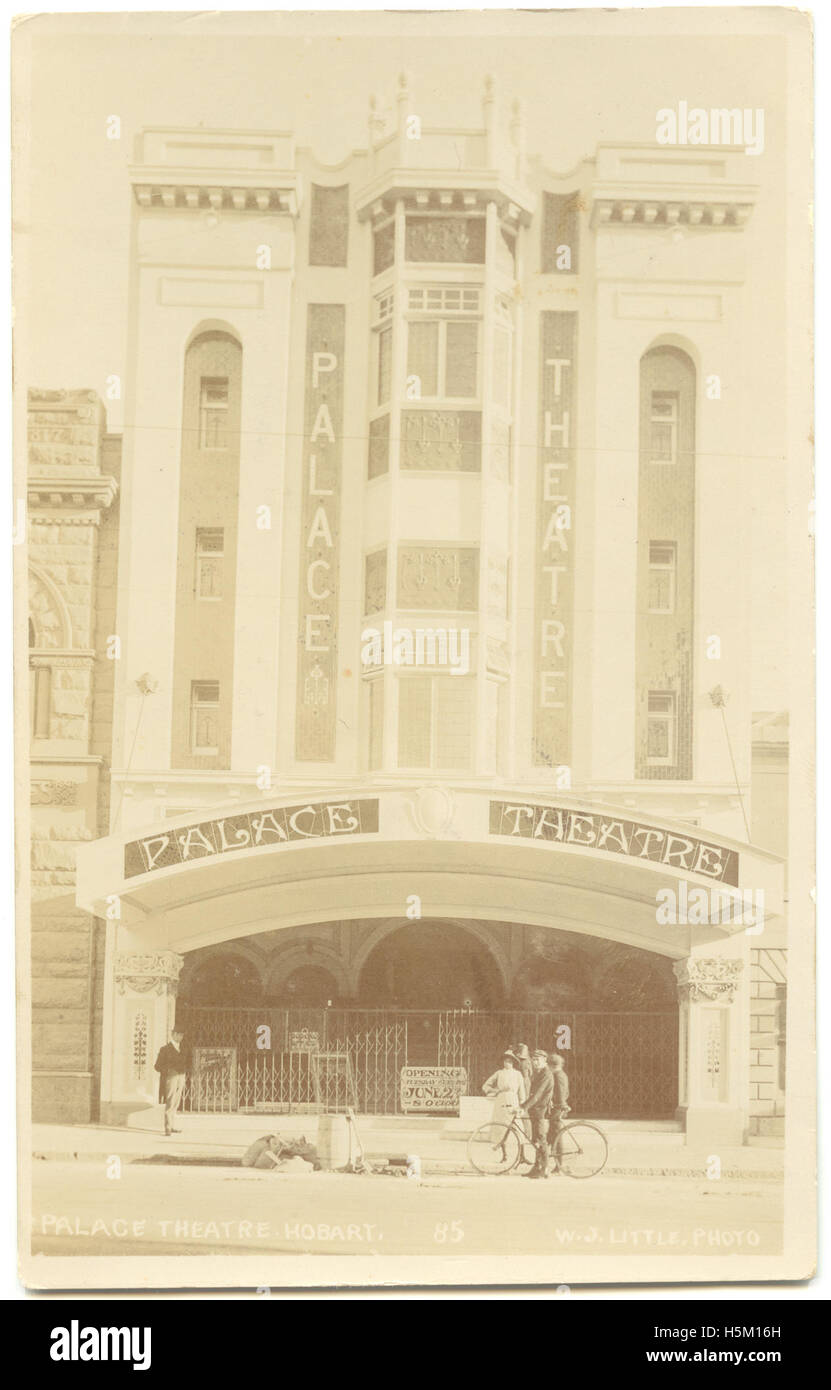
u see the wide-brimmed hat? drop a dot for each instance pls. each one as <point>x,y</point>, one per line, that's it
<point>509,1053</point>
<point>539,1053</point>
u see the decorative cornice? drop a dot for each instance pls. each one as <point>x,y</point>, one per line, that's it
<point>707,977</point>
<point>444,190</point>
<point>47,398</point>
<point>152,972</point>
<point>52,518</point>
<point>193,191</point>
<point>96,492</point>
<point>54,656</point>
<point>68,759</point>
<point>663,212</point>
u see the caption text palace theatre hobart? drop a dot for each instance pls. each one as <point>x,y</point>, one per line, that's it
<point>442,394</point>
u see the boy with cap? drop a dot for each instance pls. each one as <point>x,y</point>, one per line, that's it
<point>537,1105</point>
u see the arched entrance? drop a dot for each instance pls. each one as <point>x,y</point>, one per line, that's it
<point>225,980</point>
<point>431,965</point>
<point>500,869</point>
<point>561,970</point>
<point>427,970</point>
<point>439,993</point>
<point>307,987</point>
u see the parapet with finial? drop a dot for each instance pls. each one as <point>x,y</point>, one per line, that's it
<point>409,154</point>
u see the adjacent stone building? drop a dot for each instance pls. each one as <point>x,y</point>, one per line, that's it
<point>74,470</point>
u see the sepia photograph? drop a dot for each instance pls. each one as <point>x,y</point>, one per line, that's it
<point>414,673</point>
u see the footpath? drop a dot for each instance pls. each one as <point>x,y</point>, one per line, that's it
<point>639,1150</point>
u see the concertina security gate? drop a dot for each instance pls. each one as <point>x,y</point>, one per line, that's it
<point>619,1065</point>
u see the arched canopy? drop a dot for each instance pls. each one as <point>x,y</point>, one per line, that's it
<point>576,866</point>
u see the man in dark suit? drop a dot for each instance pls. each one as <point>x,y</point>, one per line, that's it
<point>170,1064</point>
<point>537,1105</point>
<point>559,1101</point>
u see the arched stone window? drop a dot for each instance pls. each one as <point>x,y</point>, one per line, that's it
<point>48,619</point>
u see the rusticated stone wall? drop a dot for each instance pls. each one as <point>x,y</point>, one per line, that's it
<point>73,549</point>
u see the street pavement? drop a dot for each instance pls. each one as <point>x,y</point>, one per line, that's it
<point>634,1150</point>
<point>144,1207</point>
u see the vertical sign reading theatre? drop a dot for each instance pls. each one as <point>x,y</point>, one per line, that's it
<point>555,540</point>
<point>320,537</point>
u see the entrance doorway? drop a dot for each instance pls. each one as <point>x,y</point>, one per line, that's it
<point>619,1065</point>
<point>430,993</point>
<point>431,965</point>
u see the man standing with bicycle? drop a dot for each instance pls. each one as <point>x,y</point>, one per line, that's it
<point>537,1106</point>
<point>559,1099</point>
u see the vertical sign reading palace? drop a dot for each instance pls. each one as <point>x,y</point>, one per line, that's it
<point>320,535</point>
<point>554,558</point>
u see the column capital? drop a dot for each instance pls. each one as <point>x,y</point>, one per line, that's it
<point>707,977</point>
<point>147,972</point>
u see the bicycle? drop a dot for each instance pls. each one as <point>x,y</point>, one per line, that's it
<point>579,1150</point>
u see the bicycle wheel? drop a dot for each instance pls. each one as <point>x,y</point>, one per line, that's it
<point>581,1150</point>
<point>527,1156</point>
<point>493,1148</point>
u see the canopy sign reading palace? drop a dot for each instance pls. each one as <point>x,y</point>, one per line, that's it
<point>594,830</point>
<point>254,830</point>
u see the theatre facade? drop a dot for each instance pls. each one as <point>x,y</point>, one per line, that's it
<point>420,716</point>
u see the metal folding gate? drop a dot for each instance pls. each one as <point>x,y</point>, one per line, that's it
<point>620,1065</point>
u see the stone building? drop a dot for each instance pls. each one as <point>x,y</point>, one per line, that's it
<point>418,715</point>
<point>74,469</point>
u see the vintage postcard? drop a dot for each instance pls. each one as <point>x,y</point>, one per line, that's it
<point>414,673</point>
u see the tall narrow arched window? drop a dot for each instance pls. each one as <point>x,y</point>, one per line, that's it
<point>207,554</point>
<point>666,549</point>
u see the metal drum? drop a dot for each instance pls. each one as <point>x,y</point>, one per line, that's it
<point>333,1141</point>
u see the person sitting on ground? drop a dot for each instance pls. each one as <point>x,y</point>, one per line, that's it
<point>263,1153</point>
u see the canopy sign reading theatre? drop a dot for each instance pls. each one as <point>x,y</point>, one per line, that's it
<point>597,831</point>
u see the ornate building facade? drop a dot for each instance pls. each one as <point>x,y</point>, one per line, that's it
<point>426,533</point>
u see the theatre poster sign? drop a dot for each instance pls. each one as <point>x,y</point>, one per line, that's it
<point>432,1088</point>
